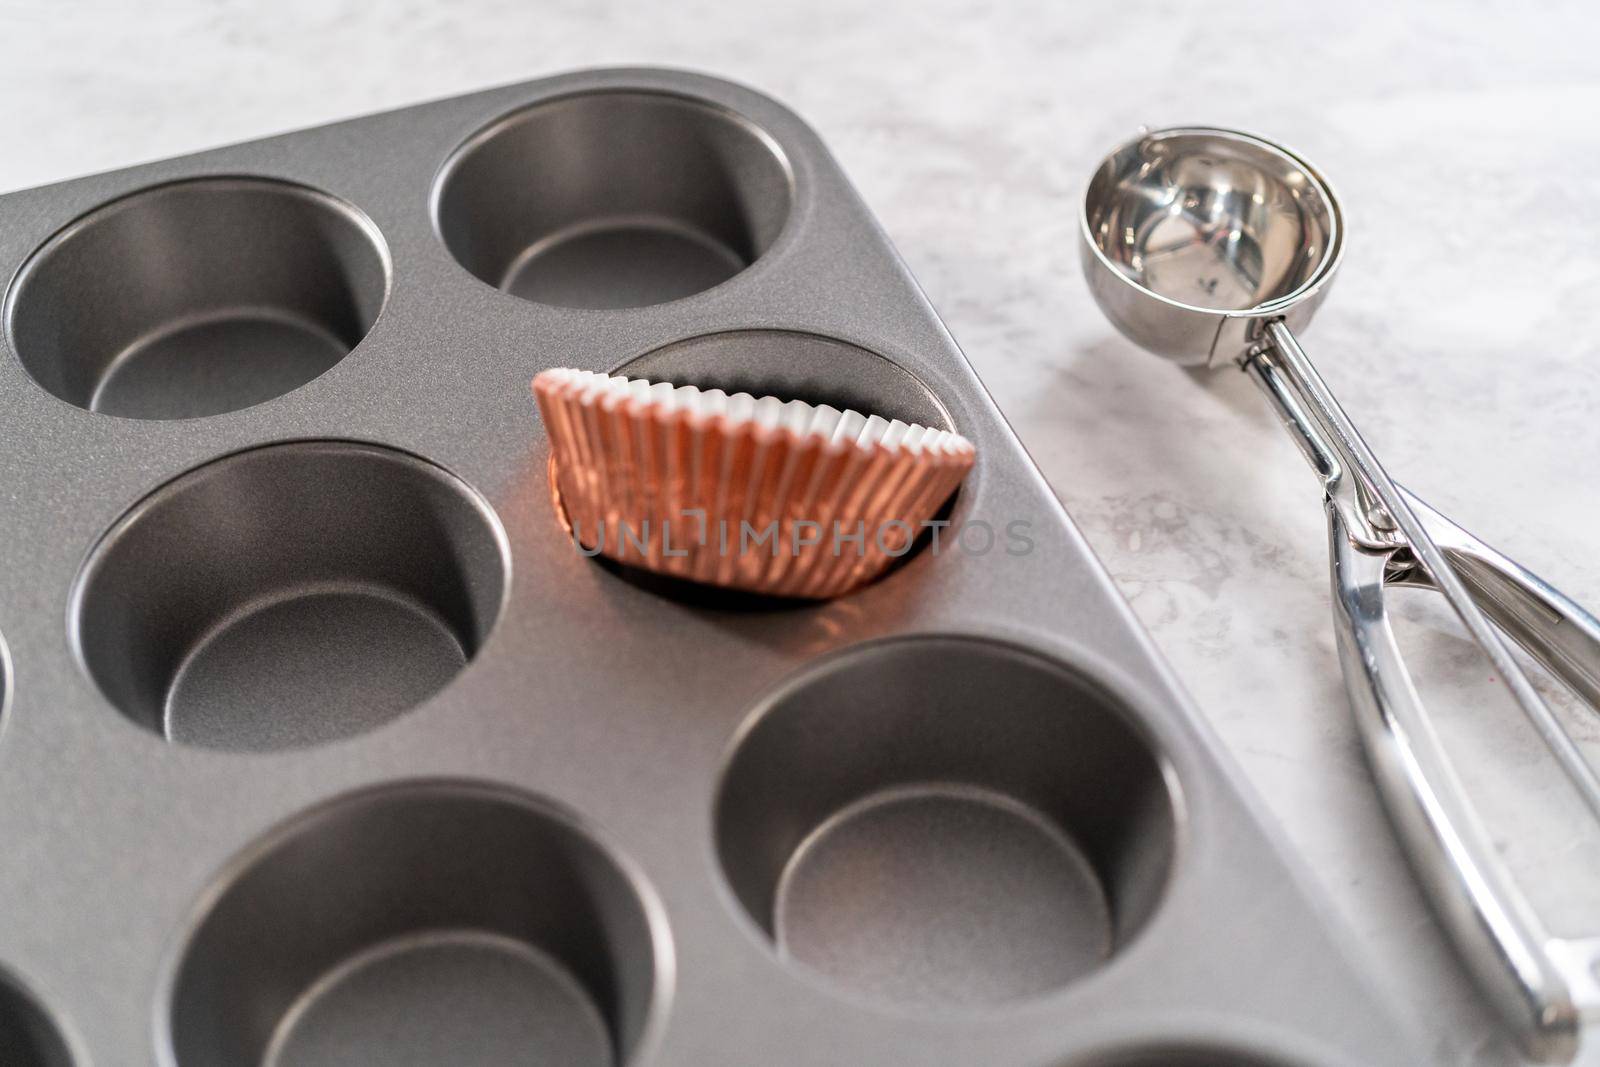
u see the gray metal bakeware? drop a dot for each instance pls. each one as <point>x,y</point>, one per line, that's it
<point>322,744</point>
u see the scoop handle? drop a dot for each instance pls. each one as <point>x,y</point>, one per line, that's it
<point>1339,435</point>
<point>1543,988</point>
<point>1494,929</point>
<point>1550,626</point>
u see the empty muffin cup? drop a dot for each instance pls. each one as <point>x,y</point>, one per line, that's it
<point>289,595</point>
<point>197,298</point>
<point>940,821</point>
<point>28,1036</point>
<point>421,924</point>
<point>613,199</point>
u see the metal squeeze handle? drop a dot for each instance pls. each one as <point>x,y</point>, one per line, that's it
<point>1543,987</point>
<point>1549,626</point>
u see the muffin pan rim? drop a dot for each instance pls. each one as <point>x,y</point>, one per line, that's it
<point>524,112</point>
<point>222,181</point>
<point>306,819</point>
<point>8,685</point>
<point>21,990</point>
<point>482,510</point>
<point>1122,703</point>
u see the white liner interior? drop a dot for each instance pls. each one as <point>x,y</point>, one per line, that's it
<point>812,420</point>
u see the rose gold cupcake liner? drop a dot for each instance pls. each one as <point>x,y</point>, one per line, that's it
<point>762,495</point>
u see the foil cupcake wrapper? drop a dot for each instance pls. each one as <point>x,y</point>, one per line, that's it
<point>767,496</point>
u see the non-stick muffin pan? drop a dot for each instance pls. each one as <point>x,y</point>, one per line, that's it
<point>322,742</point>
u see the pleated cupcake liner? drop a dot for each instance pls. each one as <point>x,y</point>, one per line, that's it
<point>761,495</point>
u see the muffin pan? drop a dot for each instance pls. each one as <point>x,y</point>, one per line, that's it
<point>320,741</point>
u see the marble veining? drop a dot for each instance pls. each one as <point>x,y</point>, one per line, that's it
<point>1463,334</point>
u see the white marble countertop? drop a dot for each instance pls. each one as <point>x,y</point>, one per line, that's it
<point>1463,336</point>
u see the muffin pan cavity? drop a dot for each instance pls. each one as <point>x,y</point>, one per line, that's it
<point>945,821</point>
<point>790,365</point>
<point>422,924</point>
<point>613,199</point>
<point>289,595</point>
<point>29,1037</point>
<point>197,298</point>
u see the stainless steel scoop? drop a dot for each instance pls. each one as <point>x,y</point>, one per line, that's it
<point>1211,247</point>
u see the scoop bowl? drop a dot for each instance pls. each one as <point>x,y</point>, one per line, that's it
<point>1194,237</point>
